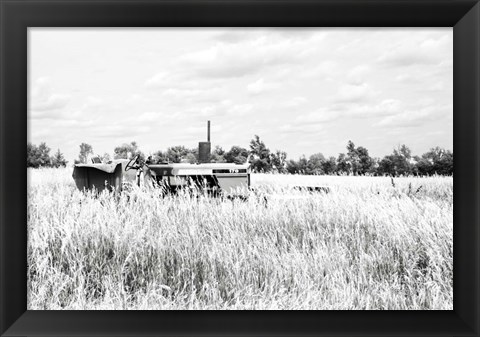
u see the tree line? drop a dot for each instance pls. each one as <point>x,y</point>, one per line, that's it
<point>355,161</point>
<point>39,156</point>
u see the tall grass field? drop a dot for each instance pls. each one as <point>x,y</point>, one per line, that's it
<point>370,243</point>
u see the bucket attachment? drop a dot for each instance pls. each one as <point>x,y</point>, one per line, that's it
<point>98,176</point>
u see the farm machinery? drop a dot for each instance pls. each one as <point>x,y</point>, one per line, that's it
<point>215,179</point>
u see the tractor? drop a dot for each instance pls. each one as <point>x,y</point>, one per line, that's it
<point>215,179</point>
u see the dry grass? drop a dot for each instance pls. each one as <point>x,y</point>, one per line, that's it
<point>365,245</point>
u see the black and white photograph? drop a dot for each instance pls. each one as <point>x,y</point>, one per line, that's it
<point>240,168</point>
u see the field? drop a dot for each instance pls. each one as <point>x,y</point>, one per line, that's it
<point>371,243</point>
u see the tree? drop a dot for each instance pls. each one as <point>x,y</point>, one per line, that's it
<point>358,158</point>
<point>218,155</point>
<point>292,167</point>
<point>435,161</point>
<point>38,156</point>
<point>398,163</point>
<point>279,161</point>
<point>58,160</point>
<point>330,166</point>
<point>127,151</point>
<point>218,150</point>
<point>375,165</point>
<point>32,150</point>
<point>190,158</point>
<point>404,151</point>
<point>105,158</point>
<point>444,165</point>
<point>237,155</point>
<point>402,158</point>
<point>44,157</point>
<point>259,156</point>
<point>302,165</point>
<point>297,167</point>
<point>315,164</point>
<point>423,166</point>
<point>176,154</point>
<point>158,157</point>
<point>365,162</point>
<point>386,166</point>
<point>353,158</point>
<point>85,151</point>
<point>343,164</point>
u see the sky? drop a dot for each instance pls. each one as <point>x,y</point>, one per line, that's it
<point>303,91</point>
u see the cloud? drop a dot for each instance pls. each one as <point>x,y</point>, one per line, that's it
<point>225,108</point>
<point>233,36</point>
<point>357,75</point>
<point>410,118</point>
<point>221,61</point>
<point>296,102</point>
<point>237,35</point>
<point>92,101</point>
<point>248,56</point>
<point>344,111</point>
<point>73,123</point>
<point>386,107</point>
<point>192,134</point>
<point>43,102</point>
<point>119,131</point>
<point>134,99</point>
<point>406,78</point>
<point>52,102</point>
<point>325,69</point>
<point>301,33</point>
<point>426,80</point>
<point>260,86</point>
<point>49,114</point>
<point>178,79</point>
<point>178,96</point>
<point>301,129</point>
<point>175,93</point>
<point>419,50</point>
<point>159,80</point>
<point>150,117</point>
<point>240,110</point>
<point>180,88</point>
<point>320,116</point>
<point>439,86</point>
<point>355,93</point>
<point>266,81</point>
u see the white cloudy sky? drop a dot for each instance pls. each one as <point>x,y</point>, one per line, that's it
<point>302,90</point>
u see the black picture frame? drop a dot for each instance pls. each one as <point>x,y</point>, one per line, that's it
<point>17,15</point>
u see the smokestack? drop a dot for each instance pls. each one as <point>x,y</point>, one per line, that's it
<point>208,132</point>
<point>204,148</point>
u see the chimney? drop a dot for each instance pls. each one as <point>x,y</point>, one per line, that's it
<point>204,148</point>
<point>208,131</point>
